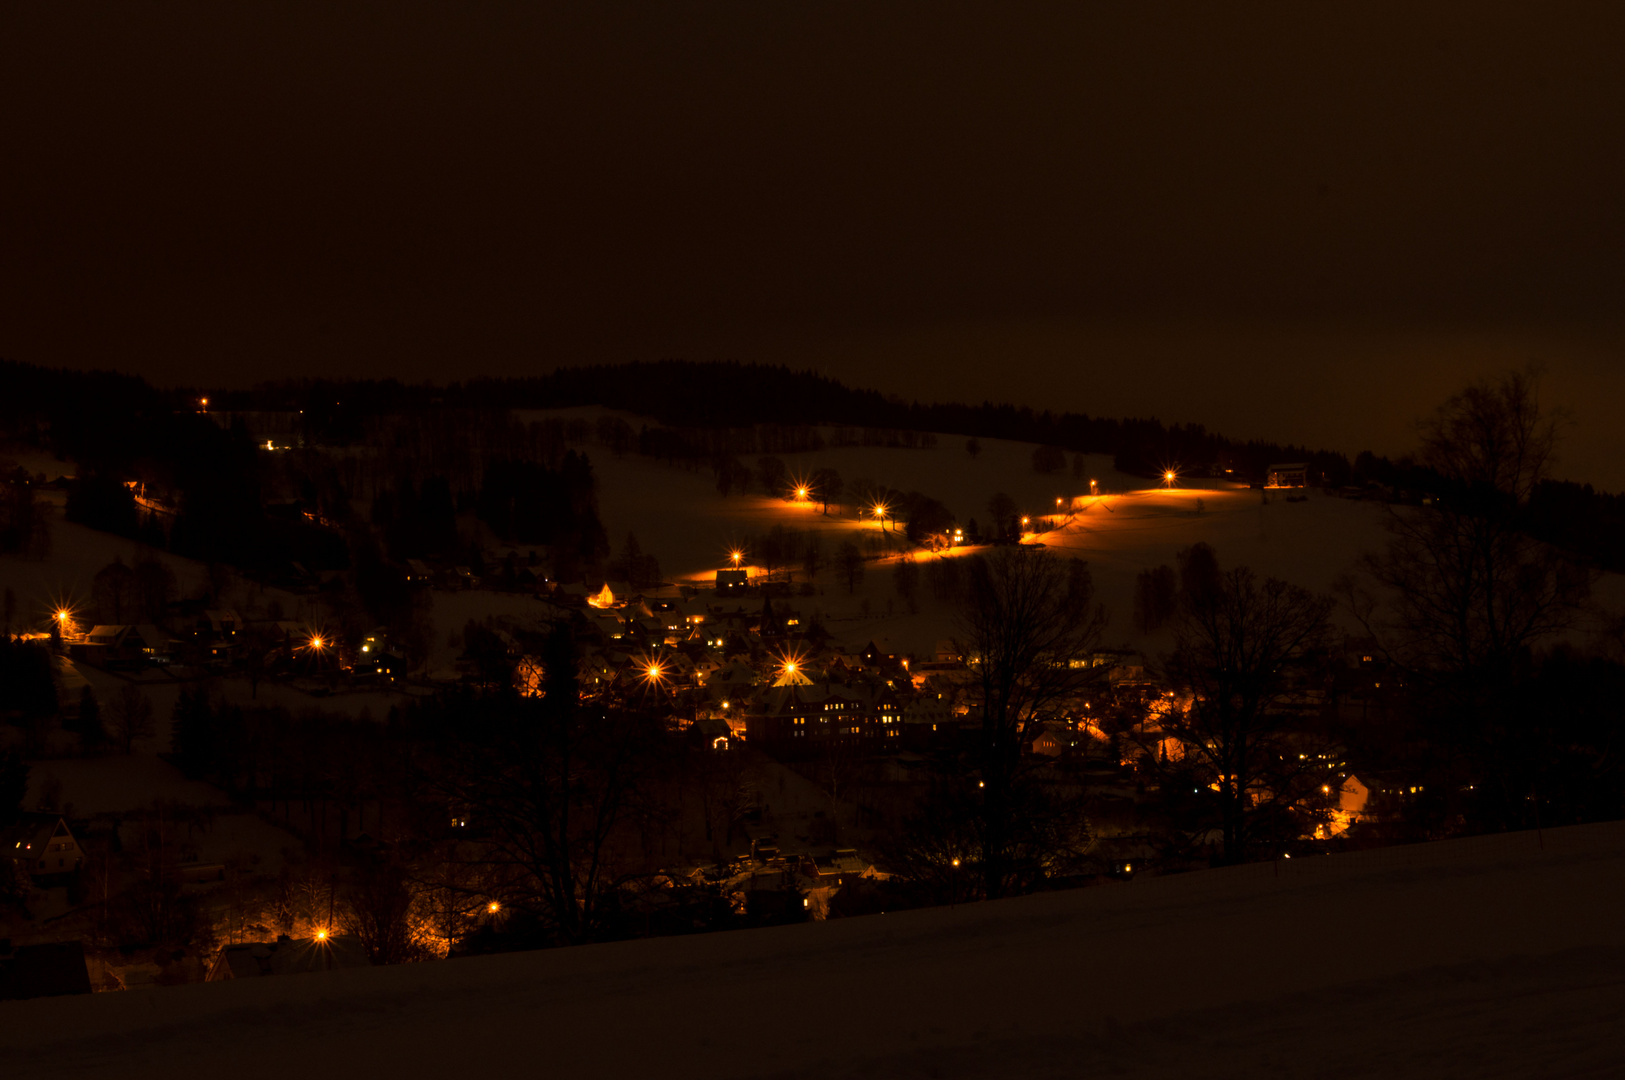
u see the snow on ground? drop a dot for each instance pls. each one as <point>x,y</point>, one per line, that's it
<point>1499,956</point>
<point>76,554</point>
<point>678,515</point>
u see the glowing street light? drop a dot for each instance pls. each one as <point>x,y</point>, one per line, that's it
<point>801,493</point>
<point>493,907</point>
<point>321,935</point>
<point>1168,478</point>
<point>737,556</point>
<point>1094,487</point>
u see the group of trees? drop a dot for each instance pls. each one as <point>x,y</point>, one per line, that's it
<point>24,527</point>
<point>527,502</point>
<point>1477,617</point>
<point>1246,776</point>
<point>556,811</point>
<point>1496,716</point>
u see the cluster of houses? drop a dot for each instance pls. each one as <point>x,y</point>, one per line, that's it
<point>756,669</point>
<point>207,637</point>
<point>218,639</point>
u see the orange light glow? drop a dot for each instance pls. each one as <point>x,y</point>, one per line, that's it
<point>321,935</point>
<point>801,493</point>
<point>736,555</point>
<point>62,616</point>
<point>493,907</point>
<point>317,643</point>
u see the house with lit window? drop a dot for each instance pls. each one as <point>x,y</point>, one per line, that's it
<point>1294,474</point>
<point>805,718</point>
<point>215,633</point>
<point>44,847</point>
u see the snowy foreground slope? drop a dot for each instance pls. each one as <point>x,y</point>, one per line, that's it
<point>1501,956</point>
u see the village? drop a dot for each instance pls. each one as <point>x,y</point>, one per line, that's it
<point>824,734</point>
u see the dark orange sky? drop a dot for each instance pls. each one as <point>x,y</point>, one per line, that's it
<point>1302,221</point>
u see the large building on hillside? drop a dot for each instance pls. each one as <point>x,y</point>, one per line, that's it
<point>806,718</point>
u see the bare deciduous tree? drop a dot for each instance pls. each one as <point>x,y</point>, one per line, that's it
<point>1462,588</point>
<point>1028,617</point>
<point>556,790</point>
<point>130,717</point>
<point>1255,766</point>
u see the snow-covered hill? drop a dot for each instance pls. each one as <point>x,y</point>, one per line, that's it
<point>1498,956</point>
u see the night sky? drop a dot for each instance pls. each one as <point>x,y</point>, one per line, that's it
<point>1304,221</point>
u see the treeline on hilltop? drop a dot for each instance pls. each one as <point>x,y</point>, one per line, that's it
<point>116,425</point>
<point>686,394</point>
<point>689,397</point>
<point>155,466</point>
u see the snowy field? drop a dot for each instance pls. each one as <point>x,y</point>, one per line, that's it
<point>1495,957</point>
<point>679,517</point>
